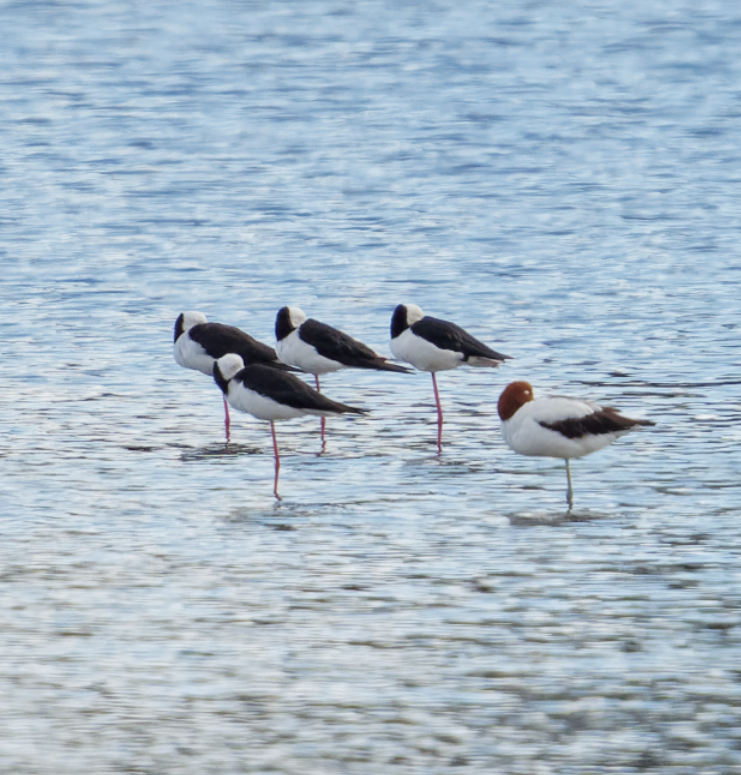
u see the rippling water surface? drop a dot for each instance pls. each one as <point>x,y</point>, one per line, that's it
<point>562,179</point>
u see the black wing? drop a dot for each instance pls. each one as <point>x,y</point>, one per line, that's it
<point>218,339</point>
<point>289,390</point>
<point>449,336</point>
<point>338,346</point>
<point>602,421</point>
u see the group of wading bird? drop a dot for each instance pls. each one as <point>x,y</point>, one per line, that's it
<point>261,381</point>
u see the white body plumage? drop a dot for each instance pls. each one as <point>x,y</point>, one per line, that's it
<point>558,426</point>
<point>293,351</point>
<point>258,403</point>
<point>424,355</point>
<point>524,433</point>
<point>431,344</point>
<point>188,353</point>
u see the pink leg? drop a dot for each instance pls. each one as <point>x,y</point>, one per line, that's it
<point>324,419</point>
<point>439,416</point>
<point>277,461</point>
<point>227,422</point>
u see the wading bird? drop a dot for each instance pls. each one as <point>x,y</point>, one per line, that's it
<point>433,345</point>
<point>199,343</point>
<point>269,394</point>
<point>317,348</point>
<point>558,426</point>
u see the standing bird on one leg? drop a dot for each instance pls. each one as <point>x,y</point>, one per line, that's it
<point>271,395</point>
<point>558,426</point>
<point>433,345</point>
<point>199,343</point>
<point>318,348</point>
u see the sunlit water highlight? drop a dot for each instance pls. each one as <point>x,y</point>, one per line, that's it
<point>562,180</point>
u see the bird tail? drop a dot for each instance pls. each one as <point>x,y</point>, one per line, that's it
<point>477,360</point>
<point>280,366</point>
<point>383,365</point>
<point>335,407</point>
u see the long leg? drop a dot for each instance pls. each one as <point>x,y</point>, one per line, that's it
<point>324,419</point>
<point>227,422</point>
<point>570,491</point>
<point>439,416</point>
<point>277,461</point>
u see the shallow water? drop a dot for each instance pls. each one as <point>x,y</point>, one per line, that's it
<point>560,180</point>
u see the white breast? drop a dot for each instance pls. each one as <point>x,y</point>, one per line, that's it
<point>246,400</point>
<point>524,434</point>
<point>190,355</point>
<point>293,351</point>
<point>423,355</point>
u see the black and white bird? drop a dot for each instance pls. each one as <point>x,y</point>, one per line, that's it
<point>317,348</point>
<point>433,345</point>
<point>558,426</point>
<point>269,394</point>
<point>199,343</point>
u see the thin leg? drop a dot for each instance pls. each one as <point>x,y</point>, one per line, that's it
<point>324,419</point>
<point>439,416</point>
<point>570,491</point>
<point>227,422</point>
<point>277,461</point>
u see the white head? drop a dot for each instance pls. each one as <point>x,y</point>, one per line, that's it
<point>404,316</point>
<point>414,313</point>
<point>191,319</point>
<point>229,365</point>
<point>297,316</point>
<point>186,321</point>
<point>287,321</point>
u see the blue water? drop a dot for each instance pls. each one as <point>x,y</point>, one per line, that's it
<point>562,179</point>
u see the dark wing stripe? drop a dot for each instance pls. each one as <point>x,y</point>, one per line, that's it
<point>218,340</point>
<point>605,420</point>
<point>288,390</point>
<point>449,336</point>
<point>381,364</point>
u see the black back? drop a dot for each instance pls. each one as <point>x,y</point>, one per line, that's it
<point>334,344</point>
<point>449,336</point>
<point>218,339</point>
